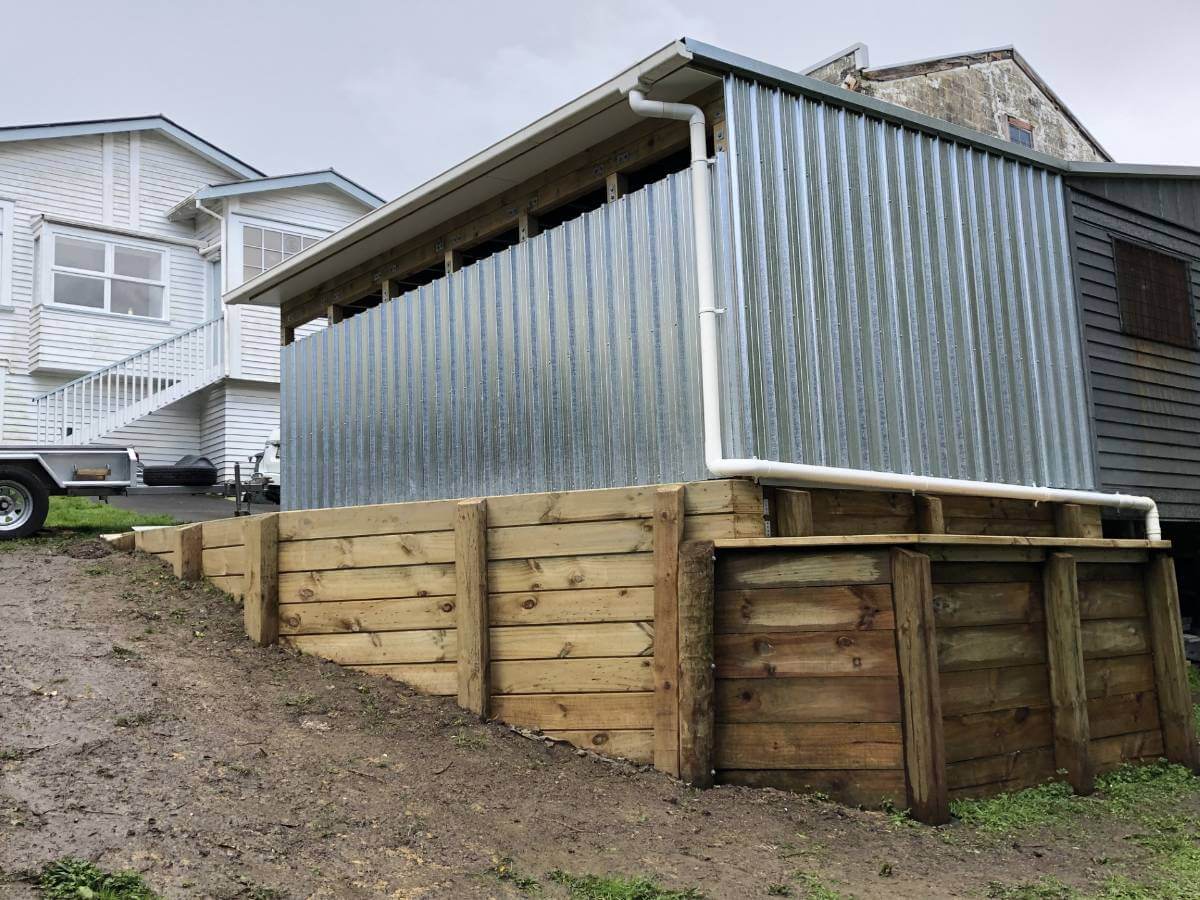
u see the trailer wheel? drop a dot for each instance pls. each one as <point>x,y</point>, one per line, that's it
<point>24,503</point>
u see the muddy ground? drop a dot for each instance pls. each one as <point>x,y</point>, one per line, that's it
<point>138,728</point>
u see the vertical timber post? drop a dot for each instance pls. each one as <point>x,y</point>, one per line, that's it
<point>920,688</point>
<point>470,574</point>
<point>1068,520</point>
<point>668,532</point>
<point>1068,686</point>
<point>260,605</point>
<point>1170,664</point>
<point>697,584</point>
<point>188,552</point>
<point>931,519</point>
<point>792,513</point>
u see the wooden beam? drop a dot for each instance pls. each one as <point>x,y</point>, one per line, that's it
<point>334,313</point>
<point>1068,520</point>
<point>387,290</point>
<point>668,532</point>
<point>1170,664</point>
<point>528,226</point>
<point>470,576</point>
<point>287,335</point>
<point>616,186</point>
<point>454,261</point>
<point>792,513</point>
<point>260,608</point>
<point>930,518</point>
<point>188,552</point>
<point>920,690</point>
<point>696,678</point>
<point>1064,658</point>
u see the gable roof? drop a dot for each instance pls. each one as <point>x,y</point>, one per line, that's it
<point>186,208</point>
<point>160,123</point>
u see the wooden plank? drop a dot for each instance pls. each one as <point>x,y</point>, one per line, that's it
<point>931,519</point>
<point>1064,659</point>
<point>224,560</point>
<point>1170,665</point>
<point>391,647</point>
<point>1123,714</point>
<point>815,745</point>
<point>1108,572</point>
<point>154,540</point>
<point>920,693</point>
<point>720,527</point>
<point>1114,551</point>
<point>576,539</point>
<point>635,746</point>
<point>963,506</point>
<point>807,700</point>
<point>791,654</point>
<point>990,647</point>
<point>124,543</point>
<point>440,679</point>
<point>987,603</point>
<point>1109,753</point>
<point>1115,637</point>
<point>789,568</point>
<point>260,607</point>
<point>572,676</point>
<point>992,573</point>
<point>1002,773</point>
<point>223,533</point>
<point>1120,675</point>
<point>1002,731</point>
<point>630,604</point>
<point>999,527</point>
<point>667,534</point>
<point>987,690</point>
<point>576,641</point>
<point>367,584</point>
<point>792,514</point>
<point>233,585</point>
<point>187,550</point>
<point>352,521</point>
<point>1069,520</point>
<point>855,787</point>
<point>393,614</point>
<point>558,712</point>
<point>960,547</point>
<point>367,551</point>
<point>471,577</point>
<point>1112,599</point>
<point>566,572</point>
<point>695,694</point>
<point>983,553</point>
<point>861,607</point>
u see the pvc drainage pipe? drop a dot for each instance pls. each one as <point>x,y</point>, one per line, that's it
<point>799,473</point>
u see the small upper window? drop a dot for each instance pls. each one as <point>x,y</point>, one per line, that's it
<point>263,248</point>
<point>1020,132</point>
<point>103,275</point>
<point>1154,295</point>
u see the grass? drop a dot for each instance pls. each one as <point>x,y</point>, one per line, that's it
<point>83,514</point>
<point>616,887</point>
<point>1044,805</point>
<point>1045,888</point>
<point>77,879</point>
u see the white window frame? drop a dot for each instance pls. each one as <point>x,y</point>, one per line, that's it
<point>235,251</point>
<point>48,235</point>
<point>7,221</point>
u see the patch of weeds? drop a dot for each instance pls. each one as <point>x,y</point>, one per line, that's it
<point>262,893</point>
<point>123,652</point>
<point>465,740</point>
<point>298,699</point>
<point>97,570</point>
<point>1046,804</point>
<point>1045,888</point>
<point>1193,673</point>
<point>1126,789</point>
<point>134,721</point>
<point>616,887</point>
<point>898,818</point>
<point>814,888</point>
<point>779,890</point>
<point>503,869</point>
<point>77,879</point>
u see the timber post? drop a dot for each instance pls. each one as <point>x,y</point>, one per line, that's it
<point>188,552</point>
<point>1170,664</point>
<point>260,606</point>
<point>471,605</point>
<point>668,532</point>
<point>1068,685</point>
<point>697,687</point>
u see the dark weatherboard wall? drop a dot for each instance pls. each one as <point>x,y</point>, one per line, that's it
<point>1145,394</point>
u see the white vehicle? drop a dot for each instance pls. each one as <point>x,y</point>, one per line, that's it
<point>267,470</point>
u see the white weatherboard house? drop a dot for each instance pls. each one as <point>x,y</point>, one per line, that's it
<point>118,239</point>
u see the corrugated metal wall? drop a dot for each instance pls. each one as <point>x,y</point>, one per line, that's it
<point>568,361</point>
<point>898,302</point>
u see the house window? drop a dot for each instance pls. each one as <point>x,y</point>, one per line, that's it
<point>6,252</point>
<point>1020,132</point>
<point>263,248</point>
<point>1153,294</point>
<point>108,276</point>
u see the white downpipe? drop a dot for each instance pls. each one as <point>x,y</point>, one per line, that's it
<point>798,473</point>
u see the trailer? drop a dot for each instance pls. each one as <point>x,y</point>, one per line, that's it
<point>31,475</point>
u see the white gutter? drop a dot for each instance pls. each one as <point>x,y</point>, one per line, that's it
<point>797,473</point>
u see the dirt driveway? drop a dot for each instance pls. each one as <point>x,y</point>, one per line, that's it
<point>139,729</point>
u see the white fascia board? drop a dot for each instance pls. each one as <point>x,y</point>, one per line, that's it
<point>284,182</point>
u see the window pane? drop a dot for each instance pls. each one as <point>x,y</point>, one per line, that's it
<point>137,263</point>
<point>132,299</point>
<point>253,237</point>
<point>77,254</point>
<point>272,240</point>
<point>249,272</point>
<point>272,258</point>
<point>308,241</point>
<point>291,243</point>
<point>252,256</point>
<point>77,290</point>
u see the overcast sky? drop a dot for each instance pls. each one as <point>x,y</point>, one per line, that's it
<point>392,93</point>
